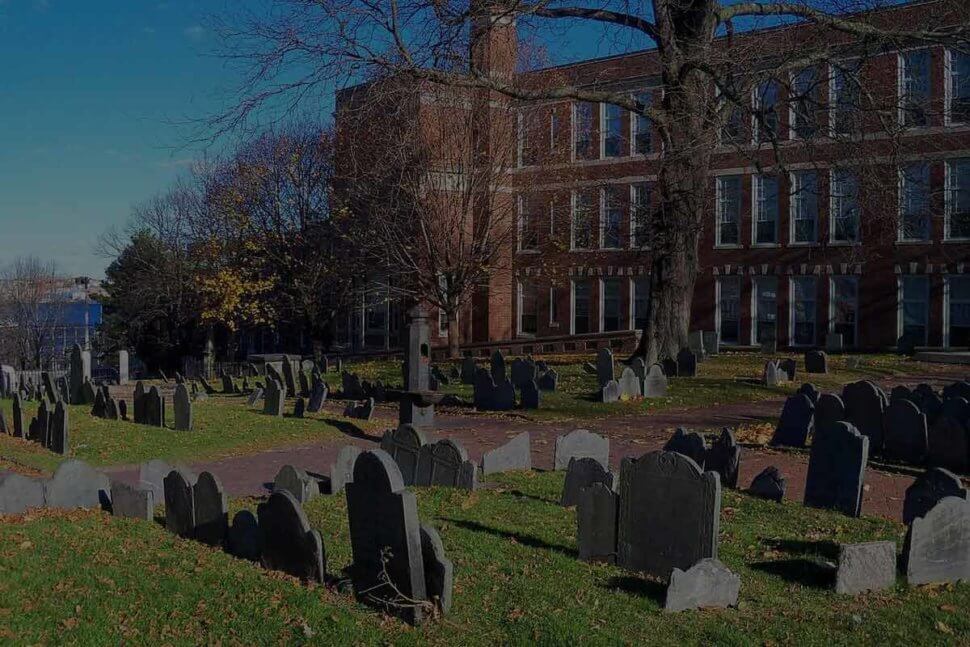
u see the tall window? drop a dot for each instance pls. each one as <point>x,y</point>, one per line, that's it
<point>641,301</point>
<point>613,143</point>
<point>915,307</point>
<point>610,302</point>
<point>845,206</point>
<point>845,93</point>
<point>583,131</point>
<point>554,130</point>
<point>585,218</point>
<point>845,308</point>
<point>642,128</point>
<point>958,198</point>
<point>914,87</point>
<point>914,208</point>
<point>530,210</point>
<point>728,209</point>
<point>959,90</point>
<point>640,215</point>
<point>553,307</point>
<point>528,308</point>
<point>612,216</point>
<point>729,308</point>
<point>765,209</point>
<point>732,127</point>
<point>528,138</point>
<point>581,302</point>
<point>804,104</point>
<point>766,308</point>
<point>804,206</point>
<point>959,310</point>
<point>766,98</point>
<point>803,310</point>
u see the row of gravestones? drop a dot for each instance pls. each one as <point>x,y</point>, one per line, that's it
<point>495,389</point>
<point>354,388</point>
<point>49,428</point>
<point>915,426</point>
<point>521,371</point>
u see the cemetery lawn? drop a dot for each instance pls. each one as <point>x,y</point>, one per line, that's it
<point>725,379</point>
<point>85,577</point>
<point>223,426</point>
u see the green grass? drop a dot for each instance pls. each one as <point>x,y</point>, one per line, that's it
<point>223,426</point>
<point>90,579</point>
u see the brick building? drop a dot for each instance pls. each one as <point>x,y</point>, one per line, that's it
<point>853,217</point>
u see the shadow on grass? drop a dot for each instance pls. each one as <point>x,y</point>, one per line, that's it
<point>525,540</point>
<point>533,497</point>
<point>811,562</point>
<point>350,429</point>
<point>639,586</point>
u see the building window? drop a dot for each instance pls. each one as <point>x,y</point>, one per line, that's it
<point>728,209</point>
<point>729,309</point>
<point>845,93</point>
<point>765,209</point>
<point>766,97</point>
<point>959,88</point>
<point>553,308</point>
<point>581,303</point>
<point>915,307</point>
<point>804,206</point>
<point>958,295</point>
<point>610,305</point>
<point>642,128</point>
<point>765,308</point>
<point>612,217</point>
<point>583,131</point>
<point>528,149</point>
<point>585,218</point>
<point>613,143</point>
<point>554,128</point>
<point>732,126</point>
<point>914,88</point>
<point>528,308</point>
<point>641,302</point>
<point>804,104</point>
<point>640,215</point>
<point>914,207</point>
<point>803,310</point>
<point>845,206</point>
<point>844,291</point>
<point>958,198</point>
<point>530,209</point>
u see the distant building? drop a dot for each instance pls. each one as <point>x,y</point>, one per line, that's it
<point>77,313</point>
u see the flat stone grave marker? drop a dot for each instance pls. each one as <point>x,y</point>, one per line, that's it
<point>581,444</point>
<point>516,454</point>
<point>796,423</point>
<point>76,484</point>
<point>708,584</point>
<point>836,469</point>
<point>904,432</point>
<point>289,544</point>
<point>211,510</point>
<point>404,446</point>
<point>930,488</point>
<point>134,502</point>
<point>596,516</point>
<point>690,444</point>
<point>581,474</point>
<point>769,484</point>
<point>937,545</point>
<point>869,566</point>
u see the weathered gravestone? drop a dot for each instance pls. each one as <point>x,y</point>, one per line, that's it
<point>288,543</point>
<point>76,484</point>
<point>446,463</point>
<point>809,390</point>
<point>274,398</point>
<point>18,416</point>
<point>629,385</point>
<point>297,482</point>
<point>516,454</point>
<point>869,566</point>
<point>40,426</point>
<point>611,392</point>
<point>581,444</point>
<point>948,446</point>
<point>342,469</point>
<point>80,372</point>
<point>179,504</point>
<point>929,402</point>
<point>18,493</point>
<point>829,409</point>
<point>669,366</point>
<point>686,363</point>
<point>57,433</point>
<point>523,371</point>
<point>362,410</point>
<point>244,539</point>
<point>937,547</point>
<point>318,395</point>
<point>695,342</point>
<point>708,584</point>
<point>404,446</point>
<point>438,570</point>
<point>688,443</point>
<point>492,396</point>
<point>49,391</point>
<point>531,396</point>
<point>864,406</point>
<point>930,488</point>
<point>959,389</point>
<point>837,468</point>
<point>209,389</point>
<point>288,375</point>
<point>711,342</point>
<point>604,367</point>
<point>182,404</point>
<point>131,501</point>
<point>154,408</point>
<point>304,384</point>
<point>255,396</point>
<point>99,408</point>
<point>769,484</point>
<point>581,474</point>
<point>211,511</point>
<point>596,516</point>
<point>796,423</point>
<point>299,408</point>
<point>655,382</point>
<point>957,408</point>
<point>123,410</point>
<point>497,368</point>
<point>787,367</point>
<point>227,386</point>
<point>548,381</point>
<point>771,374</point>
<point>138,403</point>
<point>669,513</point>
<point>724,457</point>
<point>904,432</point>
<point>468,371</point>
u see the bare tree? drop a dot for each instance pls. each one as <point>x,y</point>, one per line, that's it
<point>33,300</point>
<point>705,70</point>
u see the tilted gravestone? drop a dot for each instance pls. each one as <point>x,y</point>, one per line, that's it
<point>604,367</point>
<point>133,502</point>
<point>837,468</point>
<point>209,389</point>
<point>816,361</point>
<point>179,503</point>
<point>76,484</point>
<point>724,457</point>
<point>49,391</point>
<point>58,435</point>
<point>497,367</point>
<point>669,513</point>
<point>688,443</point>
<point>182,404</point>
<point>610,392</point>
<point>227,386</point>
<point>288,543</point>
<point>686,363</point>
<point>446,463</point>
<point>404,446</point>
<point>211,511</point>
<point>19,493</point>
<point>516,454</point>
<point>342,469</point>
<point>930,488</point>
<point>937,547</point>
<point>438,569</point>
<point>655,382</point>
<point>255,396</point>
<point>869,566</point>
<point>243,539</point>
<point>581,444</point>
<point>596,516</point>
<point>769,484</point>
<point>904,432</point>
<point>829,409</point>
<point>864,406</point>
<point>304,384</point>
<point>796,423</point>
<point>288,376</point>
<point>297,482</point>
<point>274,398</point>
<point>948,444</point>
<point>630,385</point>
<point>581,474</point>
<point>318,395</point>
<point>708,584</point>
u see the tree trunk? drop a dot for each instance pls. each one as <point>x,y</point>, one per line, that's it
<point>454,340</point>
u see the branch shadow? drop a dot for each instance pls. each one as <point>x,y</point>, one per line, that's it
<point>639,586</point>
<point>525,540</point>
<point>532,497</point>
<point>811,563</point>
<point>350,429</point>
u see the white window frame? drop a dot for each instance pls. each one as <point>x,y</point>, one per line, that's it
<point>832,110</point>
<point>574,203</point>
<point>793,202</point>
<point>602,303</point>
<point>520,299</point>
<point>791,312</point>
<point>717,308</point>
<point>791,104</point>
<point>634,126</point>
<point>604,205</point>
<point>719,205</point>
<point>832,209</point>
<point>901,72</point>
<point>831,324</point>
<point>574,130</point>
<point>901,212</point>
<point>948,197</point>
<point>757,190</point>
<point>756,107</point>
<point>948,84</point>
<point>946,306</point>
<point>633,204</point>
<point>756,310</point>
<point>572,302</point>
<point>553,304</point>
<point>900,316</point>
<point>604,130</point>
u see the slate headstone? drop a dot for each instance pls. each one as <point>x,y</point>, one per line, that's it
<point>134,502</point>
<point>655,382</point>
<point>669,366</point>
<point>403,445</point>
<point>497,369</point>
<point>596,518</point>
<point>864,406</point>
<point>244,539</point>
<point>58,434</point>
<point>688,443</point>
<point>787,368</point>
<point>629,384</point>
<point>297,482</point>
<point>611,392</point>
<point>274,397</point>
<point>724,457</point>
<point>445,463</point>
<point>288,543</point>
<point>686,363</point>
<point>948,442</point>
<point>604,367</point>
<point>829,409</point>
<point>318,395</point>
<point>548,381</point>
<point>869,566</point>
<point>211,510</point>
<point>809,389</point>
<point>581,474</point>
<point>836,469</point>
<point>581,444</point>
<point>769,484</point>
<point>531,395</point>
<point>937,547</point>
<point>179,503</point>
<point>438,569</point>
<point>904,432</point>
<point>182,404</point>
<point>708,584</point>
<point>516,454</point>
<point>342,469</point>
<point>930,488</point>
<point>796,423</point>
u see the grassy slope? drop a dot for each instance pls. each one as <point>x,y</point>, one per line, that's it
<point>88,578</point>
